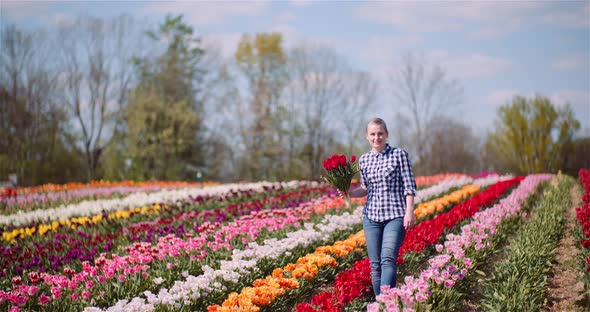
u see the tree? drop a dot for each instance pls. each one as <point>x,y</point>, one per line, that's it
<point>164,117</point>
<point>320,99</point>
<point>422,92</point>
<point>578,157</point>
<point>261,60</point>
<point>160,133</point>
<point>361,94</point>
<point>95,57</point>
<point>532,135</point>
<point>32,140</point>
<point>452,148</point>
<point>219,95</point>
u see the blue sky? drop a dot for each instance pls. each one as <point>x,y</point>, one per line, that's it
<point>494,48</point>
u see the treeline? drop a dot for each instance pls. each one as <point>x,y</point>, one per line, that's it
<point>112,99</point>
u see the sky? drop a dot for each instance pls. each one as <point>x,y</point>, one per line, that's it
<point>495,49</point>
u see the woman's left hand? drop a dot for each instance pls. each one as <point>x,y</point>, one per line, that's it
<point>409,220</point>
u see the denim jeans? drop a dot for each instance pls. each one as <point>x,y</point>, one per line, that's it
<point>383,242</point>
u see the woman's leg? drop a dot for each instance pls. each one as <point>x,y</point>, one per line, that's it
<point>373,235</point>
<point>393,237</point>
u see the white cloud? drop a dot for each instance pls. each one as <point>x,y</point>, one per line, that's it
<point>300,3</point>
<point>469,66</point>
<point>572,62</point>
<point>285,17</point>
<point>208,13</point>
<point>576,98</point>
<point>475,65</point>
<point>480,19</point>
<point>408,16</point>
<point>500,97</point>
<point>387,53</point>
<point>382,49</point>
<point>22,10</point>
<point>576,18</point>
<point>439,16</point>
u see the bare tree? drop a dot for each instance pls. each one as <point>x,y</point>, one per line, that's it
<point>261,61</point>
<point>30,119</point>
<point>361,93</point>
<point>453,148</point>
<point>318,87</point>
<point>18,52</point>
<point>95,57</point>
<point>216,93</point>
<point>422,92</point>
<point>399,131</point>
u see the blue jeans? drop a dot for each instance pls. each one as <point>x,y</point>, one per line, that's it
<point>383,242</point>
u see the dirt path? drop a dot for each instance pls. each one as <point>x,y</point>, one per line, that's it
<point>564,288</point>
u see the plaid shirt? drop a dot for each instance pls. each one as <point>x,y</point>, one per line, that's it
<point>388,178</point>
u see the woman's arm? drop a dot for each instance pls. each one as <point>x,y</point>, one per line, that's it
<point>361,190</point>
<point>409,217</point>
<point>409,189</point>
<point>407,174</point>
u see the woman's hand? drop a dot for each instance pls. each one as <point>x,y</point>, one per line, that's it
<point>409,220</point>
<point>409,217</point>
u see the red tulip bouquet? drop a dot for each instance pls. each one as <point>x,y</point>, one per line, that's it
<point>339,173</point>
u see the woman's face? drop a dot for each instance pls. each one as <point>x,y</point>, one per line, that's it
<point>376,136</point>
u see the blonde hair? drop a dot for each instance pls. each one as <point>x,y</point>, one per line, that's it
<point>378,121</point>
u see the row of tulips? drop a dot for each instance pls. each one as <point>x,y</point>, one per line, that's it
<point>173,212</point>
<point>141,259</point>
<point>424,181</point>
<point>32,201</point>
<point>50,187</point>
<point>454,182</point>
<point>96,207</point>
<point>427,209</point>
<point>200,219</point>
<point>583,230</point>
<point>520,281</point>
<point>70,246</point>
<point>140,204</point>
<point>43,196</point>
<point>456,255</point>
<point>202,285</point>
<point>424,234</point>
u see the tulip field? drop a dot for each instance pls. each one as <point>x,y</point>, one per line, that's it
<point>486,242</point>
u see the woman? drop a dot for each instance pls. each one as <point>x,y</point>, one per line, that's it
<point>387,179</point>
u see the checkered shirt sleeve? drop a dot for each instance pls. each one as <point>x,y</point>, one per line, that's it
<point>388,177</point>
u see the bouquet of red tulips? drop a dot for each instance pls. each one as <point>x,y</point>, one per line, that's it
<point>339,173</point>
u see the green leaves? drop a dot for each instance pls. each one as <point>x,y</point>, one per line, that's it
<point>164,116</point>
<point>519,282</point>
<point>530,133</point>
